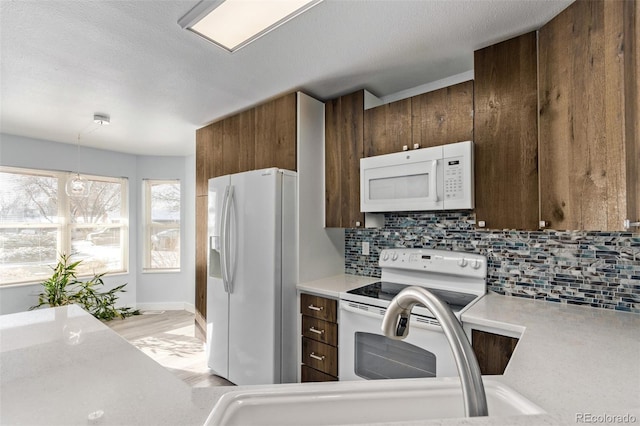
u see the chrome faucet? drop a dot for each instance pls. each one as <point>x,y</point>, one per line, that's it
<point>395,325</point>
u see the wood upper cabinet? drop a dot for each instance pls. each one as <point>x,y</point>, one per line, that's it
<point>208,155</point>
<point>589,153</point>
<point>387,128</point>
<point>443,116</point>
<point>344,126</point>
<point>505,134</point>
<point>275,133</point>
<point>238,139</point>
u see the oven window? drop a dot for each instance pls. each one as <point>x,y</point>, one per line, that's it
<point>378,357</point>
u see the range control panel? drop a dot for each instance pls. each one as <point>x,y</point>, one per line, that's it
<point>435,261</point>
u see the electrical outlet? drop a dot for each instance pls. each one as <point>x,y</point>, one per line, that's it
<point>365,248</point>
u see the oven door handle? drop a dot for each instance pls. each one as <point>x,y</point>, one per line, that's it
<point>364,312</point>
<point>346,306</point>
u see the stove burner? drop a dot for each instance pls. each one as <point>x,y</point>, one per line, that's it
<point>384,290</point>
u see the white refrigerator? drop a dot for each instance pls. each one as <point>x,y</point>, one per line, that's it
<point>252,273</point>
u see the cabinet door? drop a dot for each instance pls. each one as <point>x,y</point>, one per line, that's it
<point>505,134</point>
<point>582,135</point>
<point>632,108</point>
<point>201,266</point>
<point>238,142</point>
<point>309,374</point>
<point>275,133</point>
<point>443,116</point>
<point>493,351</point>
<point>344,125</point>
<point>319,307</point>
<point>208,155</point>
<point>387,128</point>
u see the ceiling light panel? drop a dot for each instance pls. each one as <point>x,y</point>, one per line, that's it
<point>232,24</point>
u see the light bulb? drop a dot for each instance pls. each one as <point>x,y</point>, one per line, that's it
<point>77,186</point>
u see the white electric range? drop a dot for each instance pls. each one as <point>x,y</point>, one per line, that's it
<point>458,278</point>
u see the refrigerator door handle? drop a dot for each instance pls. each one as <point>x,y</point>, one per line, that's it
<point>223,237</point>
<point>227,242</point>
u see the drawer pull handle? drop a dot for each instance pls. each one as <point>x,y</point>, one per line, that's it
<point>314,356</point>
<point>315,330</point>
<point>315,308</point>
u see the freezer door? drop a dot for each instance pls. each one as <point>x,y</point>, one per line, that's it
<point>255,302</point>
<point>217,297</point>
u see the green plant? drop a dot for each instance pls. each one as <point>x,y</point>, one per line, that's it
<point>64,288</point>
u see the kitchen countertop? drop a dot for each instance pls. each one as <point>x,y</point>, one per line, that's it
<point>569,360</point>
<point>333,286</point>
<point>62,366</point>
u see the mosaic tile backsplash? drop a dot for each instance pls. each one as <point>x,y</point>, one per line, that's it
<point>599,269</point>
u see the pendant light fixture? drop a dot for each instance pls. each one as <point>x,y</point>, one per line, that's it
<point>78,186</point>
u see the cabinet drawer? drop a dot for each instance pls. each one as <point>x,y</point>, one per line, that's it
<point>322,331</point>
<point>320,356</point>
<point>318,307</point>
<point>309,374</point>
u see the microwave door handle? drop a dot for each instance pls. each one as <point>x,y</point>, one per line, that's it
<point>433,182</point>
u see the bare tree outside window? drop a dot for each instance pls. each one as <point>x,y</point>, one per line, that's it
<point>162,225</point>
<point>38,221</point>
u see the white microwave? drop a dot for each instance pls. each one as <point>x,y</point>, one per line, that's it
<point>435,178</point>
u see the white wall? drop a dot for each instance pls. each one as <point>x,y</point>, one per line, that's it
<point>321,250</point>
<point>170,289</point>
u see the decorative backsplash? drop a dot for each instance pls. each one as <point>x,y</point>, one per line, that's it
<point>599,269</point>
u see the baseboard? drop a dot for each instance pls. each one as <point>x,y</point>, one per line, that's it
<point>166,306</point>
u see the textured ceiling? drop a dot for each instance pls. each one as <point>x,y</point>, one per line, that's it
<point>62,61</point>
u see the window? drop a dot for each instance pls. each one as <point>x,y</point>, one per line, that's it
<point>162,225</point>
<point>38,221</point>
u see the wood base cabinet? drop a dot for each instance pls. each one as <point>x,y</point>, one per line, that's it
<point>319,361</point>
<point>493,351</point>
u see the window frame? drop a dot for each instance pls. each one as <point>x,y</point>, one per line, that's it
<point>147,225</point>
<point>64,226</point>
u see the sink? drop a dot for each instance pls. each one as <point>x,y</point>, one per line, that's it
<point>363,402</point>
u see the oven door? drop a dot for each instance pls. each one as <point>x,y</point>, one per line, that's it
<point>366,354</point>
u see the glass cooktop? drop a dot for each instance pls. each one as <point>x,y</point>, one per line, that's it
<point>384,290</point>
